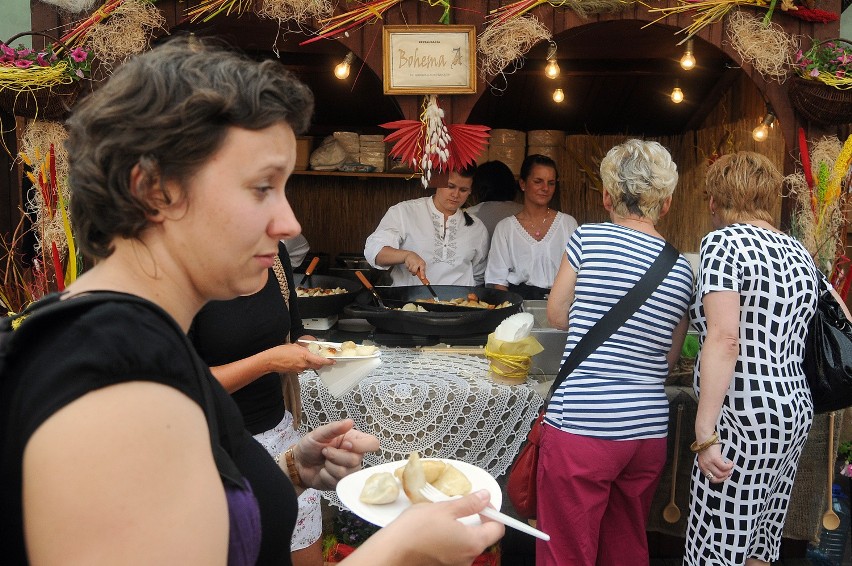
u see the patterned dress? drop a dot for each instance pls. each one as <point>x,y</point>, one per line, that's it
<point>767,412</point>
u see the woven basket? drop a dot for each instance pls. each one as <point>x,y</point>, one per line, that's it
<point>821,102</point>
<point>48,102</point>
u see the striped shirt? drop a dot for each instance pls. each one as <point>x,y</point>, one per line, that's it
<point>617,393</point>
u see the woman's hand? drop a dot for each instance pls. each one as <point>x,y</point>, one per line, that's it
<point>714,467</point>
<point>331,452</point>
<point>294,358</point>
<point>429,533</point>
<point>414,263</point>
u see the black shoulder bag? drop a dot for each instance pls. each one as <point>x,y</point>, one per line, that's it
<point>828,355</point>
<point>521,485</point>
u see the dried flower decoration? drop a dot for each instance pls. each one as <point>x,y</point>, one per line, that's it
<point>34,68</point>
<point>430,145</point>
<point>827,61</point>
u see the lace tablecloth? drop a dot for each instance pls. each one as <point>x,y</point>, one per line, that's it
<point>442,405</point>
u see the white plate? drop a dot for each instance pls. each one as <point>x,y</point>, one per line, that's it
<point>349,491</point>
<point>344,375</point>
<point>338,345</point>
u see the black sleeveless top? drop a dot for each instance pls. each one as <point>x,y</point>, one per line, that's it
<point>113,343</point>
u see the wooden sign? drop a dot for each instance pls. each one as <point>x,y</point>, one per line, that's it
<point>429,59</point>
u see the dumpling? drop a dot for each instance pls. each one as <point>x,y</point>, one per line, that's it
<point>413,479</point>
<point>362,350</point>
<point>452,482</point>
<point>380,489</point>
<point>431,470</point>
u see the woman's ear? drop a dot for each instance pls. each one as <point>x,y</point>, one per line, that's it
<point>607,201</point>
<point>146,186</point>
<point>667,204</point>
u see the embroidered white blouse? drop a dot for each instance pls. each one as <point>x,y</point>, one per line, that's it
<point>516,257</point>
<point>456,255</point>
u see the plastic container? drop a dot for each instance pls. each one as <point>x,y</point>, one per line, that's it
<point>832,544</point>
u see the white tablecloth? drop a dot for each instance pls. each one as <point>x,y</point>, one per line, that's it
<point>442,405</point>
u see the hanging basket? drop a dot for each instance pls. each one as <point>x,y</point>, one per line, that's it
<point>50,102</point>
<point>817,100</point>
<point>820,102</point>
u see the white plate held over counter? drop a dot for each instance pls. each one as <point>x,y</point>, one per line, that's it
<point>349,492</point>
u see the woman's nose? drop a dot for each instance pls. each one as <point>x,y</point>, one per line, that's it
<point>284,224</point>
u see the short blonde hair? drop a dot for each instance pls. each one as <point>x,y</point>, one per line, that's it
<point>744,185</point>
<point>639,176</point>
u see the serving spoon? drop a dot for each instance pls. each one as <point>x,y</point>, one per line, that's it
<point>830,520</point>
<point>671,513</point>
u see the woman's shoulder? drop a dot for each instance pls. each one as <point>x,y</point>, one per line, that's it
<point>109,343</point>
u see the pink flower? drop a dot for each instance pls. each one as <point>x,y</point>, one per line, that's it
<point>24,52</point>
<point>846,470</point>
<point>8,51</point>
<point>42,62</point>
<point>23,63</point>
<point>79,55</point>
<point>814,72</point>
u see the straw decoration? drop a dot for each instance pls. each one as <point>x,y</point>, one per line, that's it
<point>126,33</point>
<point>768,48</point>
<point>299,11</point>
<point>72,6</point>
<point>209,9</point>
<point>367,13</point>
<point>77,36</point>
<point>583,8</point>
<point>501,44</point>
<point>819,215</point>
<point>706,12</point>
<point>42,150</point>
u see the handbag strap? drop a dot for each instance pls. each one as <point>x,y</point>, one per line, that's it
<point>617,315</point>
<point>290,386</point>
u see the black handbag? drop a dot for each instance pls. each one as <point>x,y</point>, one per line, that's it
<point>828,356</point>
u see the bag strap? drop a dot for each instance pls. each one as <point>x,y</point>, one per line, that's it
<point>290,387</point>
<point>617,315</point>
<point>43,309</point>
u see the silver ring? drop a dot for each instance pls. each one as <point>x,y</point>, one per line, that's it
<point>709,476</point>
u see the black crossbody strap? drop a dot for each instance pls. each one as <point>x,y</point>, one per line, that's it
<point>617,315</point>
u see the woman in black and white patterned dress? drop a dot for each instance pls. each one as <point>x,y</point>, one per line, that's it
<point>756,292</point>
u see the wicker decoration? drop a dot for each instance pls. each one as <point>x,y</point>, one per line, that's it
<point>47,102</point>
<point>820,102</point>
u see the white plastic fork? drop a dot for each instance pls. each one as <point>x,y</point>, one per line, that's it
<point>433,494</point>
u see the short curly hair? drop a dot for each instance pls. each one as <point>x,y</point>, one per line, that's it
<point>168,111</point>
<point>639,176</point>
<point>744,185</point>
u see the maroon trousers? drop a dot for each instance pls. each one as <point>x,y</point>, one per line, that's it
<point>594,496</point>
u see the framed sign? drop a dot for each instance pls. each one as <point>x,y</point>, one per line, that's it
<point>429,59</point>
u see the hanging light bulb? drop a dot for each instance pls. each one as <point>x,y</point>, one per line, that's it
<point>341,71</point>
<point>688,59</point>
<point>677,95</point>
<point>761,132</point>
<point>552,68</point>
<point>558,95</point>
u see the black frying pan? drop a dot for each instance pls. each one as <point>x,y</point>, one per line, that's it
<point>328,305</point>
<point>397,297</point>
<point>459,321</point>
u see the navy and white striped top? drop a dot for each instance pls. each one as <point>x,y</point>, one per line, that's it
<point>617,392</point>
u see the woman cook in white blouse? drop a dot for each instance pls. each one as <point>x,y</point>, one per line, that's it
<point>527,248</point>
<point>432,236</point>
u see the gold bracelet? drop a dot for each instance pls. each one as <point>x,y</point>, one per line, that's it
<point>695,447</point>
<point>292,470</point>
